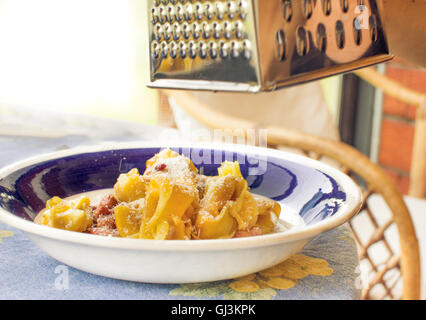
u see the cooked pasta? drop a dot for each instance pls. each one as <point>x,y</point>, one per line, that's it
<point>169,201</point>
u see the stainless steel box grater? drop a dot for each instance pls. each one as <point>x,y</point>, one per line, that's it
<point>260,45</point>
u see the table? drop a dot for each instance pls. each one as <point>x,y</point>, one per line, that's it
<point>330,261</point>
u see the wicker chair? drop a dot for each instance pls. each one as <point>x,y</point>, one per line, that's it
<point>373,180</point>
<point>418,100</point>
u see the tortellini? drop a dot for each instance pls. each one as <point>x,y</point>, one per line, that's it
<point>69,215</point>
<point>172,201</point>
<point>130,186</point>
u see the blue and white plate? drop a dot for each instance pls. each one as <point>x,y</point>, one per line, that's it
<point>309,191</point>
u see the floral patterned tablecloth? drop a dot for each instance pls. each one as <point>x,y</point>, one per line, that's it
<point>327,268</point>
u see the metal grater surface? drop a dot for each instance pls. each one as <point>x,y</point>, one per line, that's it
<point>260,45</point>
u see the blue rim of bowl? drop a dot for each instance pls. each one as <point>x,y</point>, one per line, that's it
<point>347,210</point>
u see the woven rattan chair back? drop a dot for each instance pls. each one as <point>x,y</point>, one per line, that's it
<point>401,264</point>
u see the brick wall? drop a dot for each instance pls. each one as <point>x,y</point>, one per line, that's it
<point>396,144</point>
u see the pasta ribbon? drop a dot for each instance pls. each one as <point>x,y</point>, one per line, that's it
<point>166,204</point>
<point>230,169</point>
<point>127,220</point>
<point>269,212</point>
<point>162,158</point>
<point>244,208</point>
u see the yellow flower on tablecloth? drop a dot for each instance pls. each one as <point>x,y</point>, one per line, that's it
<point>303,260</point>
<point>275,271</point>
<point>319,271</point>
<point>261,285</point>
<point>283,276</point>
<point>293,270</point>
<point>248,277</point>
<point>280,283</point>
<point>5,234</point>
<point>246,286</point>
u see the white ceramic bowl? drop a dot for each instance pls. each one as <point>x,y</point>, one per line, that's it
<point>321,195</point>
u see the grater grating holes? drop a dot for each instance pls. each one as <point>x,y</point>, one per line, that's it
<point>340,34</point>
<point>193,21</point>
<point>326,7</point>
<point>321,37</point>
<point>287,10</point>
